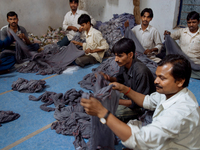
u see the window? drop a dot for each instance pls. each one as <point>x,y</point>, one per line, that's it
<point>187,6</point>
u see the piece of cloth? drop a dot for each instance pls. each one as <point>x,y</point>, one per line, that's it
<point>85,60</point>
<point>149,38</point>
<point>95,40</point>
<point>101,135</point>
<point>52,59</point>
<point>32,86</point>
<point>139,78</point>
<point>175,125</point>
<point>71,19</point>
<point>173,48</point>
<point>6,116</point>
<point>108,66</point>
<point>190,44</point>
<point>64,42</point>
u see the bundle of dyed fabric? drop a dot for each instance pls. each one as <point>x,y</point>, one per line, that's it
<point>32,86</point>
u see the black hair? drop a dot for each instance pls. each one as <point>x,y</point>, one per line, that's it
<point>76,1</point>
<point>181,67</point>
<point>193,15</point>
<point>11,14</point>
<point>149,10</point>
<point>84,18</point>
<point>124,45</point>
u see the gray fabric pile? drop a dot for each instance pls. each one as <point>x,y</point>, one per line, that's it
<point>6,116</point>
<point>108,66</point>
<point>48,62</point>
<point>32,86</point>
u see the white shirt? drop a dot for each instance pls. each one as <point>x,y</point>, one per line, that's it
<point>175,125</point>
<point>95,40</point>
<point>149,38</point>
<point>189,43</point>
<point>72,20</point>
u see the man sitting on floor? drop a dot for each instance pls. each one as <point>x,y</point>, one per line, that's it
<point>12,19</point>
<point>95,45</point>
<point>132,73</point>
<point>147,35</point>
<point>176,119</point>
<point>70,23</point>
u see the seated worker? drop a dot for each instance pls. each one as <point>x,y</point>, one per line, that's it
<point>132,73</point>
<point>95,45</point>
<point>12,19</point>
<point>147,35</point>
<point>7,62</point>
<point>70,23</point>
<point>176,119</point>
<point>189,38</point>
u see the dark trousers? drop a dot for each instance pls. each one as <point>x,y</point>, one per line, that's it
<point>64,42</point>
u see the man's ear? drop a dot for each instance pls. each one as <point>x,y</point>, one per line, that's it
<point>180,82</point>
<point>131,54</point>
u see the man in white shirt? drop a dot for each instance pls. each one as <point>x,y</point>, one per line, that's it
<point>70,23</point>
<point>147,35</point>
<point>95,45</point>
<point>176,120</point>
<point>189,38</point>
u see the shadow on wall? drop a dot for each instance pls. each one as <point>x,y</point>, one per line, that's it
<point>113,2</point>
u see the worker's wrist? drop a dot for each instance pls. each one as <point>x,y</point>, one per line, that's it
<point>102,112</point>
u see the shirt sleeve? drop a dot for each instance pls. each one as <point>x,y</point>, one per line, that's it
<point>176,35</point>
<point>4,33</point>
<point>157,40</point>
<point>65,22</point>
<point>100,41</point>
<point>155,134</point>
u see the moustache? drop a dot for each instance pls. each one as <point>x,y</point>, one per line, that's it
<point>158,86</point>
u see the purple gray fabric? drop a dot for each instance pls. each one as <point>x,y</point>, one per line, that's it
<point>6,116</point>
<point>101,135</point>
<point>109,67</point>
<point>173,48</point>
<point>32,86</point>
<point>140,50</point>
<point>53,63</point>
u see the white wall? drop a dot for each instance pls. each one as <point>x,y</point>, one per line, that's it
<point>37,15</point>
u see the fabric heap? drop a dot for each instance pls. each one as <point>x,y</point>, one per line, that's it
<point>6,116</point>
<point>109,67</point>
<point>32,86</point>
<point>113,30</point>
<point>48,62</point>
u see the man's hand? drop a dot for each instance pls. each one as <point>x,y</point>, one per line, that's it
<point>87,51</point>
<point>148,51</point>
<point>21,36</point>
<point>80,29</point>
<point>167,32</point>
<point>107,77</point>
<point>120,87</point>
<point>93,107</point>
<point>77,43</point>
<point>72,28</point>
<point>126,24</point>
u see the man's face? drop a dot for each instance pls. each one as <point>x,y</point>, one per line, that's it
<point>193,25</point>
<point>146,19</point>
<point>13,21</point>
<point>122,59</point>
<point>73,6</point>
<point>85,26</point>
<point>165,82</point>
